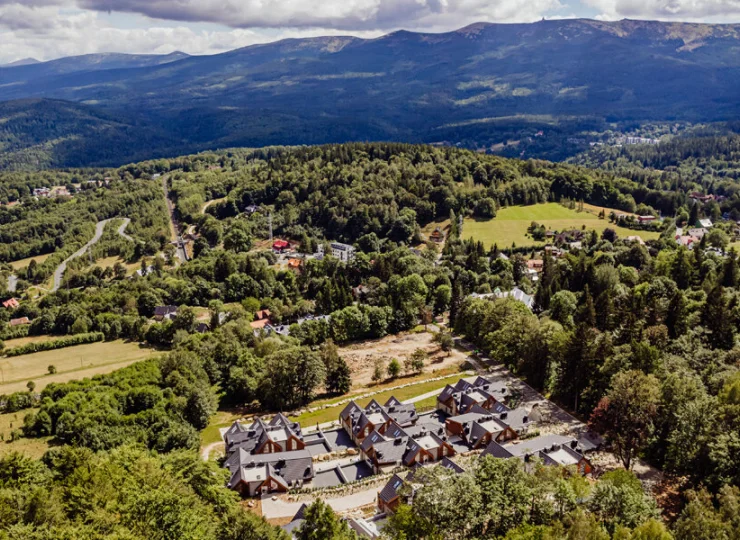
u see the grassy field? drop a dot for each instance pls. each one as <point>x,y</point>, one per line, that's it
<point>9,422</point>
<point>72,363</point>
<point>17,265</point>
<point>110,262</point>
<point>510,225</point>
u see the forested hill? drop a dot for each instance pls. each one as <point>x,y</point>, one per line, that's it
<point>40,134</point>
<point>639,338</point>
<point>704,161</point>
<point>405,86</point>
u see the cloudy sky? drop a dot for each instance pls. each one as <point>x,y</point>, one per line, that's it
<point>47,29</point>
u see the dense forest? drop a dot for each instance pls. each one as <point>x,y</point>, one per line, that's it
<point>704,160</point>
<point>638,339</point>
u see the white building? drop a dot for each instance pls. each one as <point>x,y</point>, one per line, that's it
<point>343,252</point>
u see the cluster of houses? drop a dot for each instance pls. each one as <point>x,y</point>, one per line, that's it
<point>45,192</point>
<point>694,235</point>
<point>264,325</point>
<point>471,416</point>
<point>344,252</point>
<point>516,293</point>
<point>11,304</point>
<point>637,140</point>
<point>696,196</point>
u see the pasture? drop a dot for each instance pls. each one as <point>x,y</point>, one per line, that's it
<point>71,363</point>
<point>511,223</point>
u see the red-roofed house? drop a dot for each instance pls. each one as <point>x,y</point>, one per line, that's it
<point>20,322</point>
<point>261,319</point>
<point>12,303</point>
<point>280,245</point>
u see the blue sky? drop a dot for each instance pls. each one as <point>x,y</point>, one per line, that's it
<point>48,29</point>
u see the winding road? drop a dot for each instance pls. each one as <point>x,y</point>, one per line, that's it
<point>99,228</point>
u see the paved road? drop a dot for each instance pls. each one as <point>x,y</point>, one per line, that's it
<point>99,228</point>
<point>281,509</point>
<point>122,228</point>
<point>174,225</point>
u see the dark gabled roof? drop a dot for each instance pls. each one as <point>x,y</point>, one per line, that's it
<point>301,514</point>
<point>391,402</point>
<point>390,490</point>
<point>371,440</point>
<point>161,311</point>
<point>447,463</point>
<point>446,394</point>
<point>496,450</point>
<point>350,408</point>
<point>413,449</point>
<point>293,466</point>
<point>528,447</point>
<point>478,431</point>
<point>517,419</point>
<point>425,428</point>
<point>391,451</point>
<point>468,416</point>
<point>590,441</point>
<point>394,431</point>
<point>402,414</point>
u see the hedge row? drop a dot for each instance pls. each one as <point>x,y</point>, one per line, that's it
<point>68,341</point>
<point>14,332</point>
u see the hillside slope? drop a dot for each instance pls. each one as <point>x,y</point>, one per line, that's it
<point>38,134</point>
<point>410,86</point>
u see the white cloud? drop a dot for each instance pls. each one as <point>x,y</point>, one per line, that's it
<point>46,33</point>
<point>718,11</point>
<point>337,14</point>
<point>47,29</point>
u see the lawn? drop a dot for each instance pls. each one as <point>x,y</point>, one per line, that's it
<point>17,265</point>
<point>72,363</point>
<point>110,262</point>
<point>511,223</point>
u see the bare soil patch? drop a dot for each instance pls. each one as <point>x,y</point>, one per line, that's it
<point>361,357</point>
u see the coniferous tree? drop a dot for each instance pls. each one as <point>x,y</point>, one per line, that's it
<point>730,270</point>
<point>675,319</point>
<point>681,269</point>
<point>716,318</point>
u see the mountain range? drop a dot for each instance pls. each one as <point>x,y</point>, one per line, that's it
<point>466,85</point>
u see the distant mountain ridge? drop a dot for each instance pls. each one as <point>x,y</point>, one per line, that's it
<point>415,87</point>
<point>22,62</point>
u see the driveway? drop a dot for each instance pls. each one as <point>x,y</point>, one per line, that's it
<point>281,509</point>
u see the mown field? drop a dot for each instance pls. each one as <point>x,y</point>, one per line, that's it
<point>510,225</point>
<point>10,422</point>
<point>71,363</point>
<point>17,265</point>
